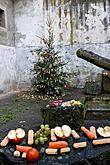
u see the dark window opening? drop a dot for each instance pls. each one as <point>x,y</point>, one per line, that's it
<point>2,18</point>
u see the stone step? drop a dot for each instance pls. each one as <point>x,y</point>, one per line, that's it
<point>95,105</point>
<point>105,98</point>
<point>97,115</point>
<point>98,109</point>
<point>98,112</point>
<point>97,123</point>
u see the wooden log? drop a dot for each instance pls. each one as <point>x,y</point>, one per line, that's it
<point>93,58</point>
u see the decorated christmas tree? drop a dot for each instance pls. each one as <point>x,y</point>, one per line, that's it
<point>50,78</point>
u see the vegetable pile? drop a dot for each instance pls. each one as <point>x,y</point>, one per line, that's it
<point>56,140</point>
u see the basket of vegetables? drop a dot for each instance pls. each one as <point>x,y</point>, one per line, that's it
<point>58,112</point>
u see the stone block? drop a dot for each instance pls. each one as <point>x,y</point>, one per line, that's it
<point>106,81</point>
<point>94,87</point>
<point>72,116</point>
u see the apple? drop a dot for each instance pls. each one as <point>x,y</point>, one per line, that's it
<point>32,155</point>
<point>58,131</point>
<point>104,132</point>
<point>63,132</point>
<point>66,130</point>
<point>16,136</point>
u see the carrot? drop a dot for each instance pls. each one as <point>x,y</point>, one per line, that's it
<point>51,151</point>
<point>64,150</point>
<point>4,142</point>
<point>75,134</point>
<point>22,148</point>
<point>88,133</point>
<point>93,130</point>
<point>30,137</point>
<point>101,141</point>
<point>58,144</point>
<point>53,136</point>
<point>80,144</point>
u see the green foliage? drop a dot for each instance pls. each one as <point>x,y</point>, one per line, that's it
<point>50,78</point>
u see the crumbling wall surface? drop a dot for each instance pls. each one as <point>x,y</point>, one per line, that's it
<point>7,69</point>
<point>7,31</point>
<point>29,22</point>
<point>75,21</point>
<point>77,24</point>
<point>24,66</point>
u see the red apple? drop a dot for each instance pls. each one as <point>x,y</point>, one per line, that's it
<point>16,136</point>
<point>32,155</point>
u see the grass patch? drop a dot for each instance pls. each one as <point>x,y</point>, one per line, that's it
<point>6,117</point>
<point>9,113</point>
<point>20,109</point>
<point>4,110</point>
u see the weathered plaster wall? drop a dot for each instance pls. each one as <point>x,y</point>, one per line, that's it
<point>77,23</point>
<point>28,22</point>
<point>24,65</point>
<point>74,21</point>
<point>7,69</point>
<point>7,50</point>
<point>7,33</point>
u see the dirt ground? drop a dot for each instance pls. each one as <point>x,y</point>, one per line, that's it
<point>16,110</point>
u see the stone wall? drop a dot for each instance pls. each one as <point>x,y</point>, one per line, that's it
<point>8,79</point>
<point>80,69</point>
<point>24,61</point>
<point>7,50</point>
<point>77,24</point>
<point>7,32</point>
<point>74,21</point>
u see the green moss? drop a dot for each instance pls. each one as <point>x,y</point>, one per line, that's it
<point>72,116</point>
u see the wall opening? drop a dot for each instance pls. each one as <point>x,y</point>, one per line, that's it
<point>2,18</point>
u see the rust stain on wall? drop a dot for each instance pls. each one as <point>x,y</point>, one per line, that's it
<point>59,15</point>
<point>76,11</point>
<point>65,13</point>
<point>71,26</point>
<point>45,2</point>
